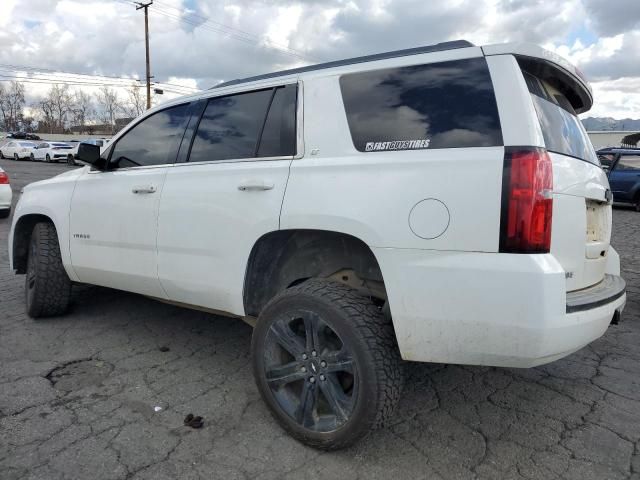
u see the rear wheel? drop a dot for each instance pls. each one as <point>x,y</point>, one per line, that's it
<point>326,363</point>
<point>637,205</point>
<point>32,157</point>
<point>47,158</point>
<point>47,286</point>
<point>1,155</point>
<point>15,157</point>
<point>70,160</point>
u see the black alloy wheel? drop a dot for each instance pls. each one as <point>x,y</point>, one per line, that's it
<point>326,363</point>
<point>310,371</point>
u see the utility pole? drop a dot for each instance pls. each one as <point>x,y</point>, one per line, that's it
<point>146,43</point>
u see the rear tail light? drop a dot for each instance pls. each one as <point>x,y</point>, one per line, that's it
<point>527,201</point>
<point>4,178</point>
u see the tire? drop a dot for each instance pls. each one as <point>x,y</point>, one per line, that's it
<point>47,158</point>
<point>32,157</point>
<point>349,367</point>
<point>47,286</point>
<point>15,157</point>
<point>70,161</point>
<point>5,213</point>
<point>1,155</point>
<point>637,204</point>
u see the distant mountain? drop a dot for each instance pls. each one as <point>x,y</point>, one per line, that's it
<point>594,124</point>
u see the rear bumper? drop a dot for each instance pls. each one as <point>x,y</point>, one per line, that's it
<point>492,309</point>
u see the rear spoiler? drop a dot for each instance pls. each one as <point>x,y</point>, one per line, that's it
<point>551,68</point>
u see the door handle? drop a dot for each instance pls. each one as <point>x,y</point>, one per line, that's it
<point>255,185</point>
<point>144,189</point>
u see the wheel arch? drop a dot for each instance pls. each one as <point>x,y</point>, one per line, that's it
<point>284,258</point>
<point>21,236</point>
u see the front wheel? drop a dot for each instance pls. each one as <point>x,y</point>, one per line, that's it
<point>326,363</point>
<point>70,161</point>
<point>15,157</point>
<point>47,286</point>
<point>1,155</point>
<point>47,158</point>
<point>32,157</point>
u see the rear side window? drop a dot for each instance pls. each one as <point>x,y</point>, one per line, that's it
<point>153,141</point>
<point>247,125</point>
<point>279,133</point>
<point>629,162</point>
<point>561,128</point>
<point>440,105</point>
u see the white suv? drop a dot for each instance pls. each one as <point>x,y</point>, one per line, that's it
<point>438,204</point>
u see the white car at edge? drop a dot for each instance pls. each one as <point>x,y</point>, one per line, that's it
<point>438,204</point>
<point>5,194</point>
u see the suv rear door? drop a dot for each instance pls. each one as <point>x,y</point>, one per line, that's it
<point>581,228</point>
<point>218,204</point>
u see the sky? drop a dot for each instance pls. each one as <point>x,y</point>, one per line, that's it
<point>196,44</point>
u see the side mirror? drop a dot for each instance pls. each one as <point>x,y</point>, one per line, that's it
<point>90,155</point>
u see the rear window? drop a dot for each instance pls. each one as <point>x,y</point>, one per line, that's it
<point>439,105</point>
<point>561,128</point>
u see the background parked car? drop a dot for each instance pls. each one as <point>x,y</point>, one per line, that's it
<point>17,150</point>
<point>623,168</point>
<point>23,136</point>
<point>51,151</point>
<point>5,195</point>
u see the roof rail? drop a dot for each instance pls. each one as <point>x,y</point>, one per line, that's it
<point>438,47</point>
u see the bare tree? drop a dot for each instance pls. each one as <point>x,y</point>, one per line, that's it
<point>61,101</point>
<point>45,113</point>
<point>11,105</point>
<point>83,110</point>
<point>136,102</point>
<point>109,104</point>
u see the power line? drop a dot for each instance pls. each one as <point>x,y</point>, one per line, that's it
<point>58,71</point>
<point>217,27</point>
<point>55,81</point>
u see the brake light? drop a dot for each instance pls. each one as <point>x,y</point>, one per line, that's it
<point>527,201</point>
<point>4,178</point>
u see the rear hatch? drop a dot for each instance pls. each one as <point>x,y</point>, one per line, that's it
<point>581,225</point>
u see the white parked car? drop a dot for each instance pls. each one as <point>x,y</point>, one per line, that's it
<point>51,151</point>
<point>17,149</point>
<point>5,194</point>
<point>439,204</point>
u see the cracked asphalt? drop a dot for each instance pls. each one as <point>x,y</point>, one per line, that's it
<point>101,393</point>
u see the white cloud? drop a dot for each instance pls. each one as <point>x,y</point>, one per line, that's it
<point>106,36</point>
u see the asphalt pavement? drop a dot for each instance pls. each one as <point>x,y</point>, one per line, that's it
<point>102,392</point>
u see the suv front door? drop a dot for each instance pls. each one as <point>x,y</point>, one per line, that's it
<point>114,213</point>
<point>218,204</point>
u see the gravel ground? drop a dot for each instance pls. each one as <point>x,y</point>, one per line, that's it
<point>102,392</point>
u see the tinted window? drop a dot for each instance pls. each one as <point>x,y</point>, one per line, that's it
<point>230,127</point>
<point>153,141</point>
<point>441,105</point>
<point>279,134</point>
<point>561,128</point>
<point>629,162</point>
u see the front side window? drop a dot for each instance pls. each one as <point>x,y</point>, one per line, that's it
<point>247,125</point>
<point>440,105</point>
<point>153,141</point>
<point>629,162</point>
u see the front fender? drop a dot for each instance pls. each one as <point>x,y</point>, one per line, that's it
<point>51,199</point>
